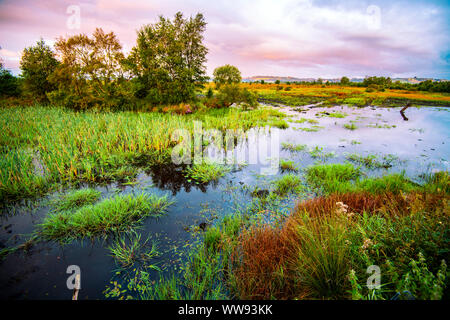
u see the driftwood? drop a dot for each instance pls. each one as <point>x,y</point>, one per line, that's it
<point>402,112</point>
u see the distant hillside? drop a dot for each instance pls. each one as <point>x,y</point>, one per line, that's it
<point>271,79</point>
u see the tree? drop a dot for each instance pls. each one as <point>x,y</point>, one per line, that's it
<point>37,64</point>
<point>9,85</point>
<point>227,74</point>
<point>90,73</point>
<point>345,81</point>
<point>168,61</point>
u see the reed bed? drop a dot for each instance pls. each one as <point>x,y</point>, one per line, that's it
<point>45,146</point>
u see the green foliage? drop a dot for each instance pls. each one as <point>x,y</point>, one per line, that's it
<point>288,165</point>
<point>38,64</point>
<point>90,74</point>
<point>9,85</point>
<point>292,147</point>
<point>168,61</point>
<point>75,199</point>
<point>129,249</point>
<point>45,147</point>
<point>289,183</point>
<point>232,93</point>
<point>331,177</point>
<point>110,215</point>
<point>206,171</point>
<point>421,282</point>
<point>345,81</point>
<point>350,126</point>
<point>227,74</point>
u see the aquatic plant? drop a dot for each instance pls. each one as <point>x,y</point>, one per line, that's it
<point>350,126</point>
<point>288,165</point>
<point>293,147</point>
<point>129,249</point>
<point>206,171</point>
<point>45,147</point>
<point>289,183</point>
<point>116,214</point>
<point>75,198</point>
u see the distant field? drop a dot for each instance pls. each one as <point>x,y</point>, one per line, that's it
<point>298,95</point>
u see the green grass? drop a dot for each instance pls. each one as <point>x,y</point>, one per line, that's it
<point>206,172</point>
<point>372,161</point>
<point>381,126</point>
<point>129,249</point>
<point>334,114</point>
<point>312,129</point>
<point>293,147</point>
<point>75,198</point>
<point>289,183</point>
<point>288,165</point>
<point>332,177</point>
<point>44,147</point>
<point>319,153</point>
<point>116,214</point>
<point>280,124</point>
<point>342,178</point>
<point>350,126</point>
<point>303,120</point>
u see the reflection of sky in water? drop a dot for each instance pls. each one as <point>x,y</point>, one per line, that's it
<point>41,273</point>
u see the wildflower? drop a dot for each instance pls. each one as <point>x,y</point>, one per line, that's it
<point>367,244</point>
<point>341,208</point>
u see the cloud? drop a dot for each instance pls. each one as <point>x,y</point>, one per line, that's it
<point>284,37</point>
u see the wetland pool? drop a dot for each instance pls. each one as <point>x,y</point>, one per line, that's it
<point>417,145</point>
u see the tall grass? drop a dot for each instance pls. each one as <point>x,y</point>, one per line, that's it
<point>116,214</point>
<point>75,198</point>
<point>43,146</point>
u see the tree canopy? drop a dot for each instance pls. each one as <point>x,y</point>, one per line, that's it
<point>227,74</point>
<point>37,64</point>
<point>168,61</point>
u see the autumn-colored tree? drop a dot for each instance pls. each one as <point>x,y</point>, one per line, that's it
<point>227,74</point>
<point>91,73</point>
<point>168,61</point>
<point>37,64</point>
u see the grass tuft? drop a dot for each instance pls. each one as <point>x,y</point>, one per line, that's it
<point>116,214</point>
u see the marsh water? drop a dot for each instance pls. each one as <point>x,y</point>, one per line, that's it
<point>417,141</point>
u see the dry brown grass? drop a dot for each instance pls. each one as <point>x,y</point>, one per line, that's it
<point>270,263</point>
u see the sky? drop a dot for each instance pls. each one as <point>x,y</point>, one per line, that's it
<point>298,38</point>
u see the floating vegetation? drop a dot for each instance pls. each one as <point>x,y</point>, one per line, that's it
<point>312,129</point>
<point>381,126</point>
<point>288,165</point>
<point>319,152</point>
<point>293,147</point>
<point>304,120</point>
<point>206,171</point>
<point>75,199</point>
<point>129,249</point>
<point>333,114</point>
<point>289,183</point>
<point>372,161</point>
<point>350,126</point>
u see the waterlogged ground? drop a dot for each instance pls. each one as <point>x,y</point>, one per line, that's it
<point>416,145</point>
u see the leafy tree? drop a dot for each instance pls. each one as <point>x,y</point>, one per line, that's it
<point>9,85</point>
<point>345,81</point>
<point>90,73</point>
<point>168,61</point>
<point>227,74</point>
<point>37,64</point>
